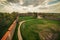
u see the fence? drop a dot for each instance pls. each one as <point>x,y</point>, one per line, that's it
<point>9,34</point>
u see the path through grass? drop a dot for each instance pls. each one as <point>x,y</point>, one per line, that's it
<point>31,30</point>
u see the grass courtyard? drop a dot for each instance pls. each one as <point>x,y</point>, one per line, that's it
<point>41,29</point>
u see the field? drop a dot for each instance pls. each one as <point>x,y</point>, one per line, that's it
<point>41,29</point>
<point>22,18</point>
<point>47,27</point>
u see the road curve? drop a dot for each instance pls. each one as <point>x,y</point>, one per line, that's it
<point>19,33</point>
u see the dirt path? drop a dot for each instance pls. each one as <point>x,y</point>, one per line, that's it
<point>19,33</point>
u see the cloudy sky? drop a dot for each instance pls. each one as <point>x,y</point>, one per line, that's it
<point>29,6</point>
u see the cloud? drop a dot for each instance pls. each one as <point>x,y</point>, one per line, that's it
<point>2,0</point>
<point>10,7</point>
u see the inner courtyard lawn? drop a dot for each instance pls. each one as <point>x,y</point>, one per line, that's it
<point>40,29</point>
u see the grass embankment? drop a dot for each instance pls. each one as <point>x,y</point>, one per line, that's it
<point>15,36</point>
<point>41,29</point>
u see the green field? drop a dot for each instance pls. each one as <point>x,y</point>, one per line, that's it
<point>33,28</point>
<point>21,18</point>
<point>41,29</point>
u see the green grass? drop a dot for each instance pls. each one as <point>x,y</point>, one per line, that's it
<point>30,30</point>
<point>15,36</point>
<point>21,18</point>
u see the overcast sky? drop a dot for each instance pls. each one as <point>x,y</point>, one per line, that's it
<point>27,5</point>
